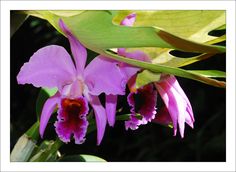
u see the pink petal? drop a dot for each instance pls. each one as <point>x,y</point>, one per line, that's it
<point>100,115</point>
<point>111,101</point>
<point>78,50</point>
<point>148,108</point>
<point>176,104</point>
<point>129,20</point>
<point>173,81</point>
<point>80,133</point>
<point>103,75</point>
<point>130,70</point>
<point>170,106</point>
<point>133,123</point>
<point>73,90</point>
<point>64,131</point>
<point>50,66</point>
<point>47,111</point>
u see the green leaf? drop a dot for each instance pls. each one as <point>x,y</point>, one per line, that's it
<point>209,73</point>
<point>146,77</point>
<point>26,144</point>
<point>44,94</point>
<point>223,27</point>
<point>156,68</point>
<point>97,32</point>
<point>17,19</point>
<point>66,13</point>
<point>33,132</point>
<point>40,154</point>
<point>192,24</point>
<point>165,58</point>
<point>47,151</point>
<point>81,158</point>
<point>22,149</point>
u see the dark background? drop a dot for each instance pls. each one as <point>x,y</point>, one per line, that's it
<point>152,142</point>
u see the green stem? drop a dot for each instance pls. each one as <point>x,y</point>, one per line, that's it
<point>33,132</point>
<point>46,154</point>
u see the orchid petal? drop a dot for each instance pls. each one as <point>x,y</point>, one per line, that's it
<point>64,131</point>
<point>176,104</point>
<point>129,20</point>
<point>170,105</point>
<point>143,102</point>
<point>100,116</point>
<point>47,111</point>
<point>50,66</point>
<point>137,55</point>
<point>103,75</point>
<point>180,110</point>
<point>79,135</point>
<point>111,101</point>
<point>73,90</point>
<point>173,81</point>
<point>133,123</point>
<point>78,50</point>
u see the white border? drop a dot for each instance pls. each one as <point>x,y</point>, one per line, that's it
<point>6,6</point>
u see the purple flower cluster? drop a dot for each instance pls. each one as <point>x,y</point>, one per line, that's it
<point>78,86</point>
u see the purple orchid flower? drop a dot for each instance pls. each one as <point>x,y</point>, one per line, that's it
<point>177,103</point>
<point>143,100</point>
<point>52,66</point>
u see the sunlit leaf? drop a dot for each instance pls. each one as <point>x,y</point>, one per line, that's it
<point>146,77</point>
<point>190,24</point>
<point>209,73</point>
<point>66,13</point>
<point>97,32</point>
<point>223,27</point>
<point>165,58</point>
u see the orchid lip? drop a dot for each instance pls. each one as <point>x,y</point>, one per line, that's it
<point>72,119</point>
<point>143,102</point>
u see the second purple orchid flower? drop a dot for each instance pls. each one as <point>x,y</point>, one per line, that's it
<point>143,100</point>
